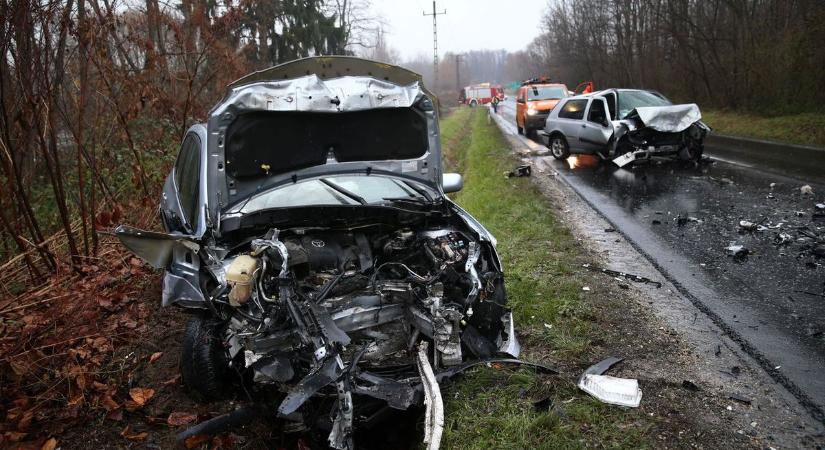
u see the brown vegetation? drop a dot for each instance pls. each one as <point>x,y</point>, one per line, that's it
<point>95,96</point>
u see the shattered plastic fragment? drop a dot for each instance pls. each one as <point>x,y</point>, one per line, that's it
<point>806,190</point>
<point>737,251</point>
<point>616,391</point>
<point>612,390</point>
<point>745,225</point>
<point>520,171</point>
<point>628,276</point>
<point>782,239</point>
<point>434,417</point>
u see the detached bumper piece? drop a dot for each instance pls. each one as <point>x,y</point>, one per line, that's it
<point>611,390</point>
<point>434,416</point>
<point>642,154</point>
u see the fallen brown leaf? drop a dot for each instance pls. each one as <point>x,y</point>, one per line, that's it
<point>173,380</point>
<point>141,395</point>
<point>131,406</point>
<point>116,415</point>
<point>178,418</point>
<point>196,440</point>
<point>130,434</point>
<point>14,436</point>
<point>108,403</point>
<point>50,444</point>
<point>26,420</point>
<point>155,356</point>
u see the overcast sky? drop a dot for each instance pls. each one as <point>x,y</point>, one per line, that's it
<point>468,24</point>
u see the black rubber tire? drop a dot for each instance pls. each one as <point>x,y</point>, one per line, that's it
<point>563,152</point>
<point>473,103</point>
<point>519,129</point>
<point>691,153</point>
<point>204,362</point>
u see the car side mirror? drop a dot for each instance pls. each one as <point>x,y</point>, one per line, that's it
<point>452,182</point>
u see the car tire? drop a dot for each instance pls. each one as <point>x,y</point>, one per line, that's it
<point>558,147</point>
<point>519,129</point>
<point>473,103</point>
<point>204,362</point>
<point>691,152</point>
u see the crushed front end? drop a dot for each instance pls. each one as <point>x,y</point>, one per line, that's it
<point>646,132</point>
<point>329,275</point>
<point>341,312</point>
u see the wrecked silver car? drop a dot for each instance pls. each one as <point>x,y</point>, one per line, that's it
<point>625,125</point>
<point>309,231</point>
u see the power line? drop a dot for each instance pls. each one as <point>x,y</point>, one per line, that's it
<point>435,43</point>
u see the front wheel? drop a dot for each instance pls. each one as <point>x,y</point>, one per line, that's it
<point>204,362</point>
<point>691,152</point>
<point>558,147</point>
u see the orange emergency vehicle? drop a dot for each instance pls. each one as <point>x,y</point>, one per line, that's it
<point>534,101</point>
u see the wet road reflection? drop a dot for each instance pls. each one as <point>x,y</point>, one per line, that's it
<point>684,215</point>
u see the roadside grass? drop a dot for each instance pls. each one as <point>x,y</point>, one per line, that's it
<point>496,407</point>
<point>804,129</point>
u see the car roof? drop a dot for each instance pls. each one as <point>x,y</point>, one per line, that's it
<point>545,85</point>
<point>602,91</point>
<point>581,96</point>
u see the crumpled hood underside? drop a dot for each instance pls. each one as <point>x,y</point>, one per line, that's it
<point>668,119</point>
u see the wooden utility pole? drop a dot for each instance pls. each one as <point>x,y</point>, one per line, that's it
<point>435,43</point>
<point>458,72</point>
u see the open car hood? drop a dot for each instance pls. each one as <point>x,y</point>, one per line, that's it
<point>320,116</point>
<point>667,119</point>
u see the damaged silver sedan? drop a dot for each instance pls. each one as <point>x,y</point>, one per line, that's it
<point>624,126</point>
<point>309,231</point>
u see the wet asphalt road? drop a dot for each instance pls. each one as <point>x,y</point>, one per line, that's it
<point>771,301</point>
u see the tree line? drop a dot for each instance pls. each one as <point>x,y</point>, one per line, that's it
<point>761,55</point>
<point>95,96</point>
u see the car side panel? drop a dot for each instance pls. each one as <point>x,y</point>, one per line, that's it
<point>593,137</point>
<point>556,124</point>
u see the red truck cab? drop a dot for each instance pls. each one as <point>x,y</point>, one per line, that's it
<point>480,94</point>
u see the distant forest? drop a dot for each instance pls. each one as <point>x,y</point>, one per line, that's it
<point>764,56</point>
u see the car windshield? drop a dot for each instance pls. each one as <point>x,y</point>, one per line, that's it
<point>545,92</point>
<point>335,190</point>
<point>630,100</point>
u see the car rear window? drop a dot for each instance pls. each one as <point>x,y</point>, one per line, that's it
<point>573,109</point>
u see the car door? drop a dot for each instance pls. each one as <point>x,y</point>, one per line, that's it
<point>182,196</point>
<point>183,206</point>
<point>596,129</point>
<point>521,106</point>
<point>570,119</point>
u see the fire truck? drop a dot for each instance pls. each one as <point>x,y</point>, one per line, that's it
<point>480,94</point>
